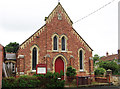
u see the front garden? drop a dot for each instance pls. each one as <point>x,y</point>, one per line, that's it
<point>48,81</point>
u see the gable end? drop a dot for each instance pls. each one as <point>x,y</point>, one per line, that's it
<point>82,40</point>
<point>31,38</point>
<point>56,9</point>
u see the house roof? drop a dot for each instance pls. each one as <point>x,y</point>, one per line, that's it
<point>110,57</point>
<point>10,56</point>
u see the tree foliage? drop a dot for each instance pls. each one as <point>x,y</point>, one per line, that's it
<point>109,65</point>
<point>12,47</point>
<point>71,72</point>
<point>100,71</point>
<point>96,57</point>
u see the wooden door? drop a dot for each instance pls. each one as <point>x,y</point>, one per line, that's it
<point>59,65</point>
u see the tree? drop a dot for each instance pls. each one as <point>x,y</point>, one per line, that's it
<point>96,57</point>
<point>100,71</point>
<point>109,65</point>
<point>12,47</point>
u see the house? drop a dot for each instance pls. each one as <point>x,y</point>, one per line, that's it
<point>1,63</point>
<point>113,57</point>
<point>10,62</point>
<point>56,44</point>
<point>109,57</point>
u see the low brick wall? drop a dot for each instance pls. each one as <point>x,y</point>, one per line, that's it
<point>1,62</point>
<point>101,79</point>
<point>78,79</point>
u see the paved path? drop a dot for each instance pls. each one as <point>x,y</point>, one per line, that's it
<point>98,87</point>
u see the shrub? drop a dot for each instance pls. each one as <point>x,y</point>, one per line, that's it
<point>9,82</point>
<point>27,81</point>
<point>49,81</point>
<point>71,72</point>
<point>109,65</point>
<point>53,81</point>
<point>100,71</point>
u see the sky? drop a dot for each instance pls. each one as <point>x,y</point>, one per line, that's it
<point>19,19</point>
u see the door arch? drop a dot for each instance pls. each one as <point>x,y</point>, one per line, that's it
<point>59,65</point>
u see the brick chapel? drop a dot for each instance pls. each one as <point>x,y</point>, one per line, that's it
<point>56,44</point>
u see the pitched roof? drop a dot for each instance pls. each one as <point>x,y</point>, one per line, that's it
<point>110,57</point>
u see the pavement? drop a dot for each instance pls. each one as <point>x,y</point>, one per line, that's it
<point>97,87</point>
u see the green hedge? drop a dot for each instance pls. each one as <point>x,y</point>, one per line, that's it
<point>49,81</point>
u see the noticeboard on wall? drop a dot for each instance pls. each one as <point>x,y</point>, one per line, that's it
<point>41,69</point>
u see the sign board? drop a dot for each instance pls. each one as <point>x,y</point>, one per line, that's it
<point>41,69</point>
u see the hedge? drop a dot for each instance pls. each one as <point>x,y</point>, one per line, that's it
<point>49,81</point>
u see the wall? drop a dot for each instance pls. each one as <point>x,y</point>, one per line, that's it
<point>1,62</point>
<point>43,40</point>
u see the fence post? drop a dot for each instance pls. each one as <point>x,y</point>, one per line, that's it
<point>77,80</point>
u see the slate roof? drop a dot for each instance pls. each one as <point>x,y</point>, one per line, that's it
<point>110,57</point>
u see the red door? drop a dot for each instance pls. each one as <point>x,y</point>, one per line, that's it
<point>59,65</point>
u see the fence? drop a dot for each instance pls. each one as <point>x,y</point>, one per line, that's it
<point>79,80</point>
<point>102,79</point>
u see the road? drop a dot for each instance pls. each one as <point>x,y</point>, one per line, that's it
<point>98,87</point>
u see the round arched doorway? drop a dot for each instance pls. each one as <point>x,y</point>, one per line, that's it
<point>59,65</point>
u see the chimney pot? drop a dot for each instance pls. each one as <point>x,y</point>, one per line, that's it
<point>107,54</point>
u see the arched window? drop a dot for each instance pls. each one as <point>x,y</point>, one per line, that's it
<point>34,58</point>
<point>81,59</point>
<point>55,43</point>
<point>63,44</point>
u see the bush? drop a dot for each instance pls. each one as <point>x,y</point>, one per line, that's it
<point>100,71</point>
<point>49,81</point>
<point>71,72</point>
<point>27,81</point>
<point>11,82</point>
<point>53,82</point>
<point>109,65</point>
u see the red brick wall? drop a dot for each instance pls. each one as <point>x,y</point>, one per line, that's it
<point>44,42</point>
<point>1,61</point>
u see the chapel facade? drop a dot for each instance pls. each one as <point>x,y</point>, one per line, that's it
<point>57,45</point>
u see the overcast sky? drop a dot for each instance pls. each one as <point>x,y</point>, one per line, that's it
<point>19,19</point>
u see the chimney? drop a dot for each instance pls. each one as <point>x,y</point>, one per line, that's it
<point>107,54</point>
